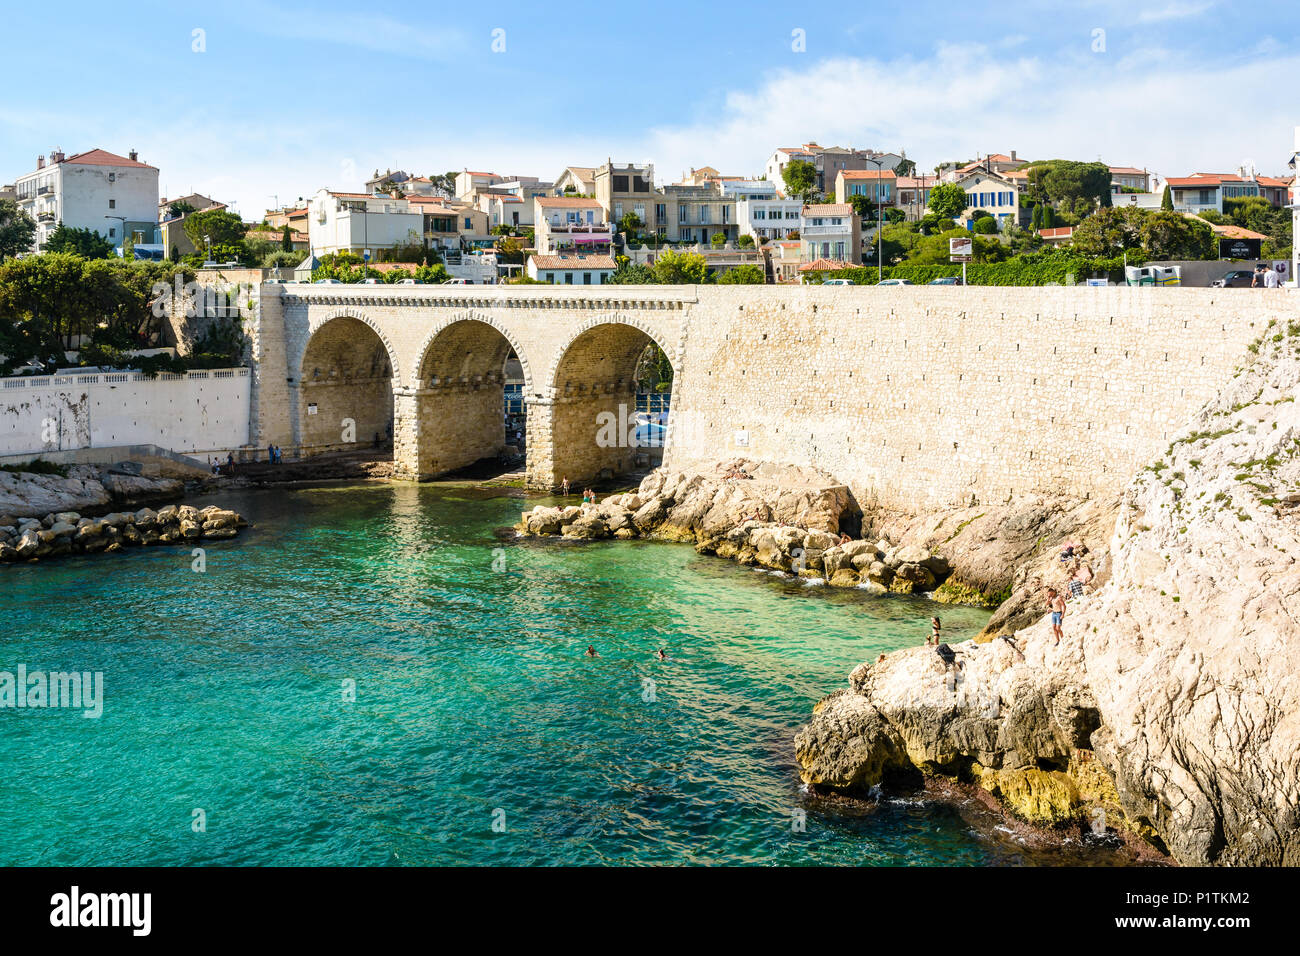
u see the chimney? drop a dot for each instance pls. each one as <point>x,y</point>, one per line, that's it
<point>1013,155</point>
<point>40,162</point>
<point>132,156</point>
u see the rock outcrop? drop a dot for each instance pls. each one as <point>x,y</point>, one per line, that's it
<point>63,533</point>
<point>1171,707</point>
<point>87,488</point>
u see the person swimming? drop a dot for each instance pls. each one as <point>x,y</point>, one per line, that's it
<point>661,654</point>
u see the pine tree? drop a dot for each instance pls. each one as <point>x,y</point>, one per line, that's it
<point>1167,201</point>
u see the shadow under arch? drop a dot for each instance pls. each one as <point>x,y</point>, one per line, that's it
<point>345,387</point>
<point>459,385</point>
<point>592,385</point>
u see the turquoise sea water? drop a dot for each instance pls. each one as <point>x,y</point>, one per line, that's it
<point>224,691</point>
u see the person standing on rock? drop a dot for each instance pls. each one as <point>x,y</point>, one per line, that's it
<point>564,486</point>
<point>1056,604</point>
<point>935,627</point>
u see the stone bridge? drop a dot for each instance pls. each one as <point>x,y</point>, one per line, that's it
<point>431,361</point>
<point>915,397</point>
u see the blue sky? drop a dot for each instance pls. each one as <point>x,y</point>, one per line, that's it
<point>289,97</point>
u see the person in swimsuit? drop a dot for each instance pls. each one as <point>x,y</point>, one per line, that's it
<point>935,627</point>
<point>564,486</point>
<point>661,654</point>
<point>1056,604</point>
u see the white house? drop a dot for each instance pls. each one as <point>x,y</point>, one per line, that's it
<point>569,223</point>
<point>767,219</point>
<point>115,196</point>
<point>571,270</point>
<point>831,231</point>
<point>354,222</point>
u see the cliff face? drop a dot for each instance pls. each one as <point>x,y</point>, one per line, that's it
<point>1171,707</point>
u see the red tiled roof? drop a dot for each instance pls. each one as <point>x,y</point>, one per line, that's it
<point>828,209</point>
<point>1272,181</point>
<point>1127,171</point>
<point>868,174</point>
<point>1235,232</point>
<point>102,157</point>
<point>914,182</point>
<point>1057,232</point>
<point>574,262</point>
<point>1191,181</point>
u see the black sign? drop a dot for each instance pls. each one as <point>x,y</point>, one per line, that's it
<point>1238,248</point>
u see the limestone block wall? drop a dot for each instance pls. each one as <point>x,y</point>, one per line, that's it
<point>916,397</point>
<point>929,396</point>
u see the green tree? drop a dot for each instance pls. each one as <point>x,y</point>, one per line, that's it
<point>863,206</point>
<point>743,275</point>
<point>905,167</point>
<point>286,239</point>
<point>948,200</point>
<point>745,242</point>
<point>178,209</point>
<point>629,224</point>
<point>78,242</point>
<point>222,228</point>
<point>1036,218</point>
<point>718,239</point>
<point>1167,200</point>
<point>17,229</point>
<point>800,178</point>
<point>986,225</point>
<point>632,275</point>
<point>1171,235</point>
<point>680,268</point>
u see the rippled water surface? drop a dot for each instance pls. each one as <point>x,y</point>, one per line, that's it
<point>225,691</point>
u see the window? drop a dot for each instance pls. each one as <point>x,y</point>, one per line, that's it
<point>586,278</point>
<point>591,217</point>
<point>550,277</point>
<point>568,278</point>
<point>826,250</point>
<point>112,204</point>
<point>661,212</point>
<point>620,184</point>
<point>839,250</point>
<point>704,213</point>
<point>726,214</point>
<point>618,211</point>
<point>112,231</point>
<point>468,222</point>
<point>639,211</point>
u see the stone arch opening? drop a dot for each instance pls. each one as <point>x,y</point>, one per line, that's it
<point>460,415</point>
<point>597,431</point>
<point>345,390</point>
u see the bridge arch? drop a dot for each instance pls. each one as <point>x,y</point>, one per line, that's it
<point>344,380</point>
<point>591,389</point>
<point>451,413</point>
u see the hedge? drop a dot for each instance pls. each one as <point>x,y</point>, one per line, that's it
<point>1050,271</point>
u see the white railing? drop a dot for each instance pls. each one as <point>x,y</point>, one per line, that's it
<point>95,378</point>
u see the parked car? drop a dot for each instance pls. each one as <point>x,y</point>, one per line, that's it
<point>327,282</point>
<point>457,282</point>
<point>372,281</point>
<point>838,282</point>
<point>408,282</point>
<point>945,280</point>
<point>895,282</point>
<point>1236,279</point>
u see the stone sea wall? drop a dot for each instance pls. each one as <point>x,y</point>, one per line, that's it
<point>67,532</point>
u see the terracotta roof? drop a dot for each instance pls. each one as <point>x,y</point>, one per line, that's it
<point>1190,181</point>
<point>824,265</point>
<point>474,173</point>
<point>102,157</point>
<point>868,174</point>
<point>828,209</point>
<point>1127,171</point>
<point>1235,232</point>
<point>574,262</point>
<point>351,195</point>
<point>1272,181</point>
<point>582,172</point>
<point>275,234</point>
<point>565,202</point>
<point>1057,232</point>
<point>914,182</point>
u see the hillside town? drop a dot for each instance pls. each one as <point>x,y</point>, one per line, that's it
<point>812,214</point>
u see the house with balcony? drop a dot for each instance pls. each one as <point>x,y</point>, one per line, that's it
<point>576,269</point>
<point>623,188</point>
<point>355,222</point>
<point>1202,191</point>
<point>768,219</point>
<point>570,224</point>
<point>914,194</point>
<point>114,196</point>
<point>831,232</point>
<point>695,214</point>
<point>575,181</point>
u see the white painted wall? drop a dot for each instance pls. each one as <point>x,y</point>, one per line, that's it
<point>202,411</point>
<point>82,195</point>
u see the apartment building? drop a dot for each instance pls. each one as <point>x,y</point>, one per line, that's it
<point>114,196</point>
<point>696,213</point>
<point>993,194</point>
<point>627,188</point>
<point>568,223</point>
<point>1129,177</point>
<point>829,162</point>
<point>879,186</point>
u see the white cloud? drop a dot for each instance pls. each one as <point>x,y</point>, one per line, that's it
<point>1174,10</point>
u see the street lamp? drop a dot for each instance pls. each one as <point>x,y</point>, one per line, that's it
<point>880,263</point>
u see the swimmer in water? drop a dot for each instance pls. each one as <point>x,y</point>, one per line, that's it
<point>661,654</point>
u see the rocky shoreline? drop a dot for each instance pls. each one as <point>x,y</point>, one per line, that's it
<point>67,533</point>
